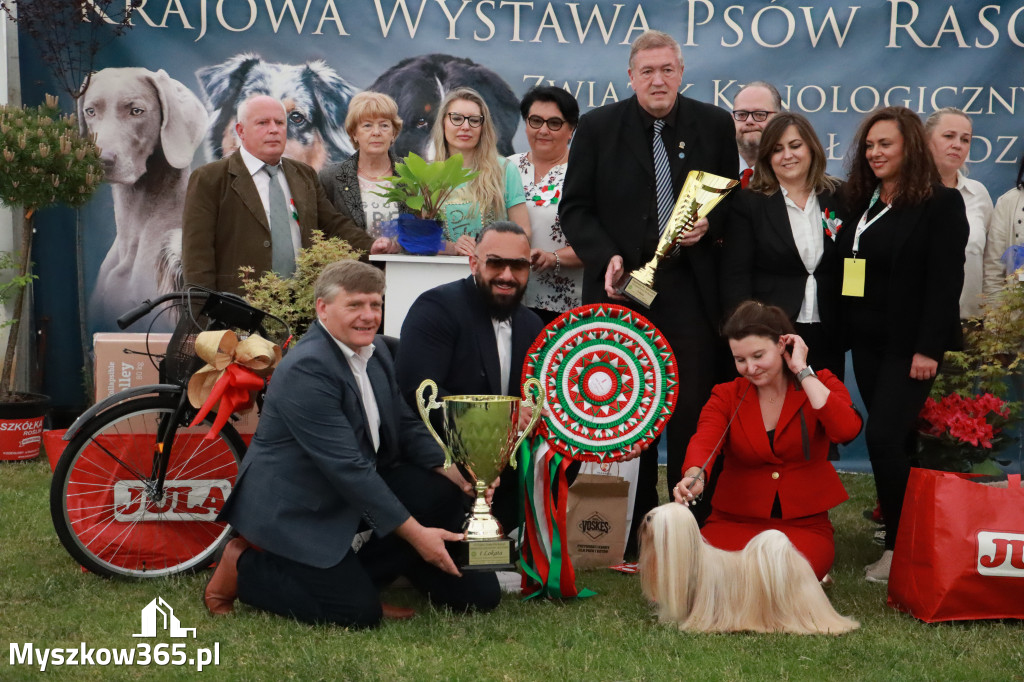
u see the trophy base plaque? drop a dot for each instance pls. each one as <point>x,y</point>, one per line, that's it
<point>483,555</point>
<point>639,292</point>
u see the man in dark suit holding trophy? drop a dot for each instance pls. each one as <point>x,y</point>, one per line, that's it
<point>614,207</point>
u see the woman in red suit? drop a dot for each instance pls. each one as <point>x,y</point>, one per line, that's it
<point>776,472</point>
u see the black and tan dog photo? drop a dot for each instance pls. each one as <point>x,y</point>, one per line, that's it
<point>314,95</point>
<point>419,84</point>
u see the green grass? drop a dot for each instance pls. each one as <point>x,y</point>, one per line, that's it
<point>45,599</point>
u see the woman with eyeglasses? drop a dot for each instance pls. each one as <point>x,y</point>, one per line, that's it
<point>372,123</point>
<point>780,245</point>
<point>903,271</point>
<point>551,115</point>
<point>949,132</point>
<point>465,127</point>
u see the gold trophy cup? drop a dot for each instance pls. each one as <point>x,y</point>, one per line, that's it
<point>701,192</point>
<point>481,437</point>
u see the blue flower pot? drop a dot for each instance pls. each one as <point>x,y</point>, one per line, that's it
<point>419,236</point>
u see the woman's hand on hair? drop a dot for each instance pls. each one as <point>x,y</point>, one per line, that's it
<point>923,367</point>
<point>794,352</point>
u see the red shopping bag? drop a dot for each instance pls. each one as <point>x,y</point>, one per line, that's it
<point>960,549</point>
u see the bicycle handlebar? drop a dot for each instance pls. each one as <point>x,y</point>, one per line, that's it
<point>143,308</point>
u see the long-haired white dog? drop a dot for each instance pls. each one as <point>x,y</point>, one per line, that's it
<point>768,586</point>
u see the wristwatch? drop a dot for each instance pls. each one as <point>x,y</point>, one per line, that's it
<point>804,373</point>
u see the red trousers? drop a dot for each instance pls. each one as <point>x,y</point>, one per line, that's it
<point>813,536</point>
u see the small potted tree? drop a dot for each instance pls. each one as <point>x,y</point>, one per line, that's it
<point>424,187</point>
<point>46,161</point>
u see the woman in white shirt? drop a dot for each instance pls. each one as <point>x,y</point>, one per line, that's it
<point>1005,229</point>
<point>949,132</point>
<point>550,115</point>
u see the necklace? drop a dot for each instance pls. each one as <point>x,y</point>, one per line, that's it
<point>537,176</point>
<point>366,173</point>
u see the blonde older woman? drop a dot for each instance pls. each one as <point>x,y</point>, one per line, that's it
<point>464,127</point>
<point>949,132</point>
<point>372,124</point>
<point>1005,229</point>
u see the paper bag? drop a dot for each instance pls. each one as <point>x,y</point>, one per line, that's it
<point>596,520</point>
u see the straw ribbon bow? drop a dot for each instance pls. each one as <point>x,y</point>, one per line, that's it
<point>234,370</point>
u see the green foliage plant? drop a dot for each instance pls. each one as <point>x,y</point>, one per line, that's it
<point>992,360</point>
<point>46,161</point>
<point>423,186</point>
<point>291,298</point>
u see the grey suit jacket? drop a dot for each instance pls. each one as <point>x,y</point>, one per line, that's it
<point>225,225</point>
<point>310,474</point>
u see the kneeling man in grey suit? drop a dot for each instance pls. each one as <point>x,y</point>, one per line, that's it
<point>337,446</point>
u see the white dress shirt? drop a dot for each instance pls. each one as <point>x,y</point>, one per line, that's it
<point>979,210</point>
<point>357,360</point>
<point>262,180</point>
<point>503,335</point>
<point>809,237</point>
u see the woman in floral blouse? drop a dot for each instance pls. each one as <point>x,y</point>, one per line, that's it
<point>551,115</point>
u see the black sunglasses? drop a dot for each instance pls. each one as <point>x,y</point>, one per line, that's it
<point>554,123</point>
<point>517,265</point>
<point>457,119</point>
<point>759,116</point>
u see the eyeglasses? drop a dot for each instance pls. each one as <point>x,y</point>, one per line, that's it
<point>554,123</point>
<point>516,265</point>
<point>457,119</point>
<point>759,116</point>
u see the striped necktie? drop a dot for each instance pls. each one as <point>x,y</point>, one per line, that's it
<point>662,177</point>
<point>282,252</point>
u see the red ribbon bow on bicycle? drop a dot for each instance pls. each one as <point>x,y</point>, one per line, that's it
<point>235,371</point>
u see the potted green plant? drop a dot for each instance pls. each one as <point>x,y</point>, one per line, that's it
<point>46,161</point>
<point>973,414</point>
<point>424,187</point>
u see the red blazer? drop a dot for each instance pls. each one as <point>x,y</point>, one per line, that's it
<point>752,473</point>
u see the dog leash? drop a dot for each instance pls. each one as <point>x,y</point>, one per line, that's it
<point>704,466</point>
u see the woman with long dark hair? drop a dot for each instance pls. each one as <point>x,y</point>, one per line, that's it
<point>780,245</point>
<point>902,276</point>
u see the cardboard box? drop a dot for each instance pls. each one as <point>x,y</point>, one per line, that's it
<point>121,364</point>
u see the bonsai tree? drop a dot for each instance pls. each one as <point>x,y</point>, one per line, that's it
<point>424,187</point>
<point>291,298</point>
<point>46,161</point>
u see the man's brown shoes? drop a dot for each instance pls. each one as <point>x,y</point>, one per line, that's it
<point>222,589</point>
<point>396,612</point>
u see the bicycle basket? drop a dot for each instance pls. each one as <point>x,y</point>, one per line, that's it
<point>203,310</point>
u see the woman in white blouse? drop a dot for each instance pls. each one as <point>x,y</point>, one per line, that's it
<point>780,238</point>
<point>1005,229</point>
<point>556,284</point>
<point>949,132</point>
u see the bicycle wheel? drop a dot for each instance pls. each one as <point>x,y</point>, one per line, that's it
<point>102,495</point>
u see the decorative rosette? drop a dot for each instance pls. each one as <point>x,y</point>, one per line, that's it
<point>610,381</point>
<point>546,195</point>
<point>830,223</point>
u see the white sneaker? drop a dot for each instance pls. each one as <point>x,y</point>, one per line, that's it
<point>878,572</point>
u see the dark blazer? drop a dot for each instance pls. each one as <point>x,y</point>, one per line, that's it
<point>608,208</point>
<point>310,474</point>
<point>753,471</point>
<point>225,225</point>
<point>923,304</point>
<point>760,259</point>
<point>341,186</point>
<point>448,336</point>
